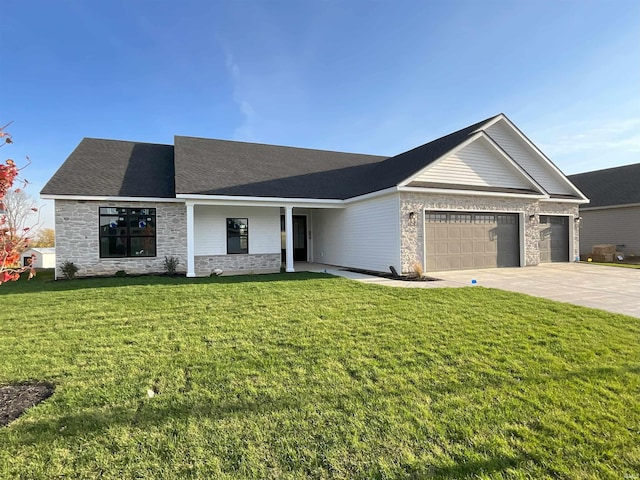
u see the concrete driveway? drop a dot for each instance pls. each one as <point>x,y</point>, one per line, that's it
<point>615,289</point>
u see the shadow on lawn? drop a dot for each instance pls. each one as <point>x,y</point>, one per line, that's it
<point>93,423</point>
<point>162,408</point>
<point>47,284</point>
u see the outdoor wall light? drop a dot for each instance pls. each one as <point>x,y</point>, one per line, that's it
<point>532,217</point>
<point>413,218</point>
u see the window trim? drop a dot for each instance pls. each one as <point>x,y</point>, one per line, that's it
<point>128,236</point>
<point>240,235</point>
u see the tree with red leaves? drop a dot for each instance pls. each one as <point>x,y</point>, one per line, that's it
<point>13,240</point>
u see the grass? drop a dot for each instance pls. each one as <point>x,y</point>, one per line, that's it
<point>624,265</point>
<point>310,376</point>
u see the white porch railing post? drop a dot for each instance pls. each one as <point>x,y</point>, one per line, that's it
<point>191,270</point>
<point>288,227</point>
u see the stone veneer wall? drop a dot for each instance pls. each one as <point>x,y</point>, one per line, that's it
<point>77,238</point>
<point>238,263</point>
<point>412,241</point>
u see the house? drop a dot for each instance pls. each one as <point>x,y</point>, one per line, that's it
<point>484,196</point>
<point>613,215</point>
<point>45,257</point>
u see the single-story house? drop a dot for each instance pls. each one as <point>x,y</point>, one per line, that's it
<point>45,257</point>
<point>613,214</point>
<point>484,196</point>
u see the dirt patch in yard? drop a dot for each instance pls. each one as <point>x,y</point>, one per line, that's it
<point>15,399</point>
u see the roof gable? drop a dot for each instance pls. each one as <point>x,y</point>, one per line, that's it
<point>530,158</point>
<point>395,170</point>
<point>478,162</point>
<point>611,186</point>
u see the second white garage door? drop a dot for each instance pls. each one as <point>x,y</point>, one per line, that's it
<point>463,240</point>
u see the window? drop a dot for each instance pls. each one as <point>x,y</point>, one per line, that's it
<point>507,219</point>
<point>127,232</point>
<point>484,218</point>
<point>436,217</point>
<point>237,235</point>
<point>460,218</point>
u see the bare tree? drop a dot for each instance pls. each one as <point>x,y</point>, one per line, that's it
<point>20,211</point>
<point>12,241</point>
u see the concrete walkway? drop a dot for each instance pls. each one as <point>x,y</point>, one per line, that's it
<point>615,289</point>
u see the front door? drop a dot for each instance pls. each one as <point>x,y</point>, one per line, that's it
<point>299,238</point>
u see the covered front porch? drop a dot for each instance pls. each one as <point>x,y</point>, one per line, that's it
<point>235,237</point>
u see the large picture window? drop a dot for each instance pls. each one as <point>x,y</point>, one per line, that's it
<point>127,232</point>
<point>237,235</point>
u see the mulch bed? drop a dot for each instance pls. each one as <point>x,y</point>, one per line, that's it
<point>17,398</point>
<point>404,278</point>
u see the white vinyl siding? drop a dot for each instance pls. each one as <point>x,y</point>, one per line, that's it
<point>210,227</point>
<point>612,226</point>
<point>528,159</point>
<point>363,235</point>
<point>476,164</point>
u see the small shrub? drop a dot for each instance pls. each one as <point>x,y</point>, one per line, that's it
<point>121,273</point>
<point>170,265</point>
<point>69,269</point>
<point>417,268</point>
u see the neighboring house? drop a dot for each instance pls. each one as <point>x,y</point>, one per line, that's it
<point>613,214</point>
<point>484,196</point>
<point>44,257</point>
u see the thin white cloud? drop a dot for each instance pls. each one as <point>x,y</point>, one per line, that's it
<point>616,136</point>
<point>245,130</point>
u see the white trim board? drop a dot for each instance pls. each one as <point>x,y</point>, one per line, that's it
<point>111,199</point>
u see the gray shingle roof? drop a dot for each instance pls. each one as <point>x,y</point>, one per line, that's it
<point>115,168</point>
<point>221,167</point>
<point>611,186</point>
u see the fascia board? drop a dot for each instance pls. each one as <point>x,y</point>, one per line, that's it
<point>471,192</point>
<point>195,199</point>
<point>610,207</point>
<point>566,200</point>
<point>103,198</point>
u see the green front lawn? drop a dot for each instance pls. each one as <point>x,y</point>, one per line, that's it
<point>625,265</point>
<point>311,376</point>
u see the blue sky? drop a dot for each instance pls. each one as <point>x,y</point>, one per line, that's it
<point>375,76</point>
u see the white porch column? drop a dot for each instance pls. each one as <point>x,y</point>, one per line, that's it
<point>288,229</point>
<point>191,266</point>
